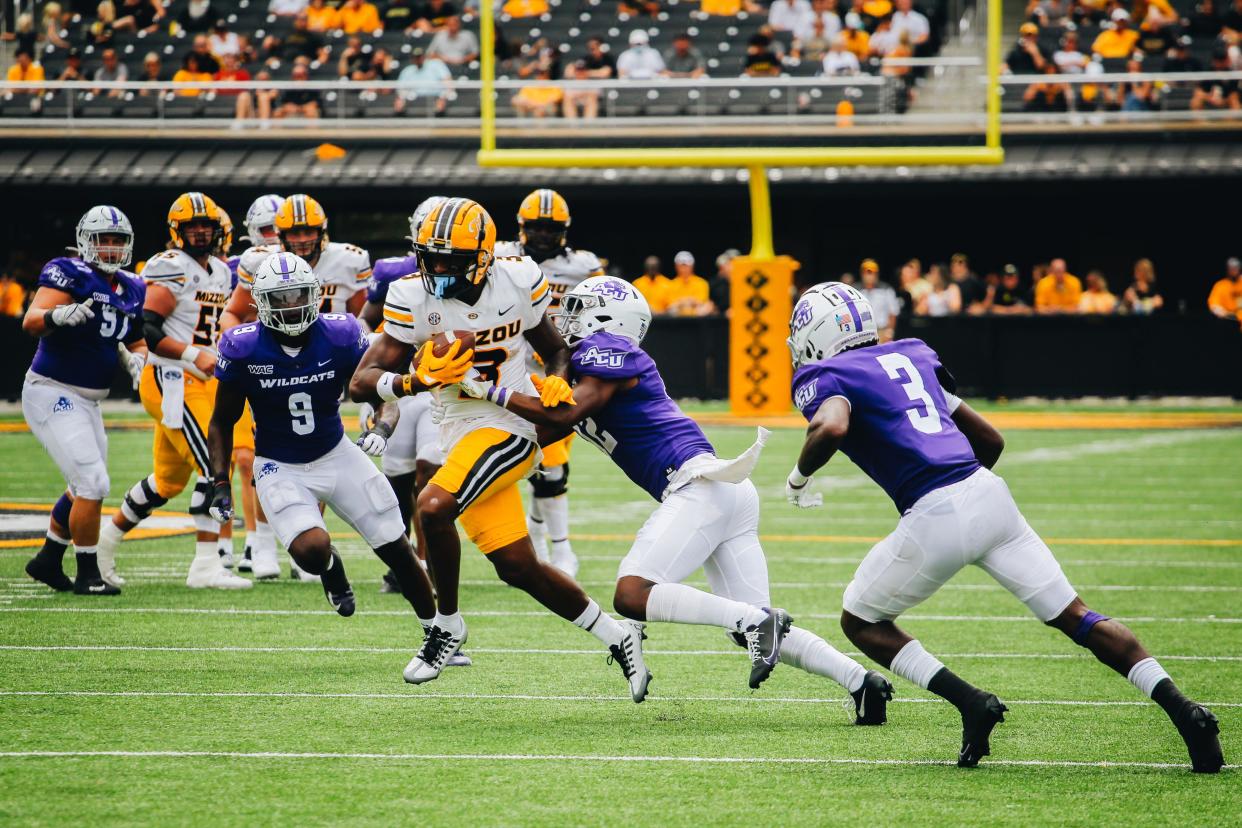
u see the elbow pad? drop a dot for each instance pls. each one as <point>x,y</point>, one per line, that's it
<point>153,328</point>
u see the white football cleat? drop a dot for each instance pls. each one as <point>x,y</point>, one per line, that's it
<point>566,562</point>
<point>297,573</point>
<point>226,558</point>
<point>210,575</point>
<point>629,656</point>
<point>107,566</point>
<point>438,648</point>
<point>264,564</point>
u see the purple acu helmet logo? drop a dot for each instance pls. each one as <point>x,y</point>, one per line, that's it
<point>612,288</point>
<point>801,316</point>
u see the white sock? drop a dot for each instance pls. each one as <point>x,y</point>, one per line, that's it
<point>252,540</point>
<point>85,550</point>
<point>916,665</point>
<point>264,538</point>
<point>427,622</point>
<point>683,604</point>
<point>52,536</point>
<point>453,623</point>
<point>807,651</point>
<point>537,529</point>
<point>225,545</point>
<point>110,537</point>
<point>206,551</point>
<point>1146,675</point>
<point>600,624</point>
<point>555,512</point>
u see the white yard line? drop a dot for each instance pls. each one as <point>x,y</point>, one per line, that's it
<point>567,757</point>
<point>416,695</point>
<point>107,648</point>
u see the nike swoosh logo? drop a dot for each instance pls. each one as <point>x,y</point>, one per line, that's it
<point>506,310</point>
<point>325,362</point>
<point>97,587</point>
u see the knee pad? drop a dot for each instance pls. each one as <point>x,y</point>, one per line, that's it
<point>60,512</point>
<point>141,500</point>
<point>1084,627</point>
<point>198,498</point>
<point>550,482</point>
<point>204,523</point>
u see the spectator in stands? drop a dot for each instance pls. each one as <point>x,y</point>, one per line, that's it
<point>790,15</point>
<point>112,71</point>
<point>653,285</point>
<point>598,63</point>
<point>191,70</point>
<point>101,30</point>
<point>1025,58</point>
<point>1007,298</point>
<point>875,9</point>
<point>910,20</point>
<point>320,17</point>
<point>913,286</point>
<point>24,35</point>
<point>882,297</point>
<point>12,295</point>
<point>1231,24</point>
<point>970,287</point>
<point>1136,96</point>
<point>223,42</point>
<point>303,103</point>
<point>25,68</point>
<point>729,8</point>
<point>720,286</point>
<point>1097,299</point>
<point>1046,96</point>
<point>1090,12</point>
<point>1217,94</point>
<point>1141,297</point>
<point>1047,12</point>
<point>139,15</point>
<point>424,78</point>
<point>1225,300</point>
<point>683,60</point>
<point>353,59</point>
<point>640,61</point>
<point>517,9</point>
<point>1120,40</point>
<point>286,8</point>
<point>453,44</point>
<point>73,67</point>
<point>206,60</point>
<point>231,69</point>
<point>762,61</point>
<point>544,100</point>
<point>1069,59</point>
<point>813,45</point>
<point>300,42</point>
<point>54,22</point>
<point>360,16</point>
<point>883,39</point>
<point>687,293</point>
<point>1203,22</point>
<point>398,15</point>
<point>195,16</point>
<point>857,41</point>
<point>579,102</point>
<point>1059,291</point>
<point>944,299</point>
<point>264,99</point>
<point>152,72</point>
<point>839,60</point>
<point>434,14</point>
<point>1179,58</point>
<point>825,12</point>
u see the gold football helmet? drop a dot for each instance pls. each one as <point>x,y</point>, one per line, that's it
<point>543,222</point>
<point>194,208</point>
<point>455,247</point>
<point>302,212</point>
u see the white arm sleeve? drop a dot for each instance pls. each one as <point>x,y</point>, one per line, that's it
<point>951,400</point>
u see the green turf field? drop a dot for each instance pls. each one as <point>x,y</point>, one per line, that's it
<point>166,706</point>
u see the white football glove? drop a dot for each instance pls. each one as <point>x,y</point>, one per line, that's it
<point>365,412</point>
<point>373,443</point>
<point>133,362</point>
<point>70,316</point>
<point>437,409</point>
<point>798,491</point>
<point>473,387</point>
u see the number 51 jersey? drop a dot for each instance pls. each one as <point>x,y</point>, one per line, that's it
<point>515,295</point>
<point>900,433</point>
<point>295,398</point>
<point>201,295</point>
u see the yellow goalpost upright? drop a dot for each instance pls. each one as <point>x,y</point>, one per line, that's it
<point>759,373</point>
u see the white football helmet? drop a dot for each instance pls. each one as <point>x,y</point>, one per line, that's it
<point>262,216</point>
<point>100,221</point>
<point>828,319</point>
<point>286,293</point>
<point>603,303</point>
<point>421,212</point>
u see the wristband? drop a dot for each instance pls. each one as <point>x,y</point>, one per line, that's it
<point>221,478</point>
<point>190,354</point>
<point>383,387</point>
<point>407,384</point>
<point>48,320</point>
<point>499,395</point>
<point>797,479</point>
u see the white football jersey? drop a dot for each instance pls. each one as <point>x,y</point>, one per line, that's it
<point>564,271</point>
<point>201,296</point>
<point>342,269</point>
<point>514,299</point>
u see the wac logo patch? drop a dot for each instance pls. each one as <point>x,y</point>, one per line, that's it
<point>259,369</point>
<point>604,357</point>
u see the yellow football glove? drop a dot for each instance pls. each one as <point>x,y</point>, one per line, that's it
<point>433,371</point>
<point>553,390</point>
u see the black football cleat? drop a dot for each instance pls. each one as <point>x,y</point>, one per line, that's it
<point>244,564</point>
<point>94,585</point>
<point>763,643</point>
<point>978,720</point>
<point>1200,731</point>
<point>50,572</point>
<point>342,602</point>
<point>871,700</point>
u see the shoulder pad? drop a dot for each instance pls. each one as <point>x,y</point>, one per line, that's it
<point>342,329</point>
<point>587,259</point>
<point>609,356</point>
<point>63,272</point>
<point>394,267</point>
<point>239,342</point>
<point>248,263</point>
<point>508,248</point>
<point>168,266</point>
<point>406,292</point>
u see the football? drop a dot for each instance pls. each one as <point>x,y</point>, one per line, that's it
<point>441,342</point>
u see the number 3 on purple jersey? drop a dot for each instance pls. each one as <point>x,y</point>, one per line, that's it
<point>896,365</point>
<point>590,429</point>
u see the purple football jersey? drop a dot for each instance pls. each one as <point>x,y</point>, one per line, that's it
<point>641,429</point>
<point>86,356</point>
<point>387,271</point>
<point>233,262</point>
<point>900,433</point>
<point>295,399</point>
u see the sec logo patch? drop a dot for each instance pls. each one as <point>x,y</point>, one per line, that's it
<point>433,319</point>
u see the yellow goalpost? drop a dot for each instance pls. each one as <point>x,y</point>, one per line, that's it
<point>759,375</point>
